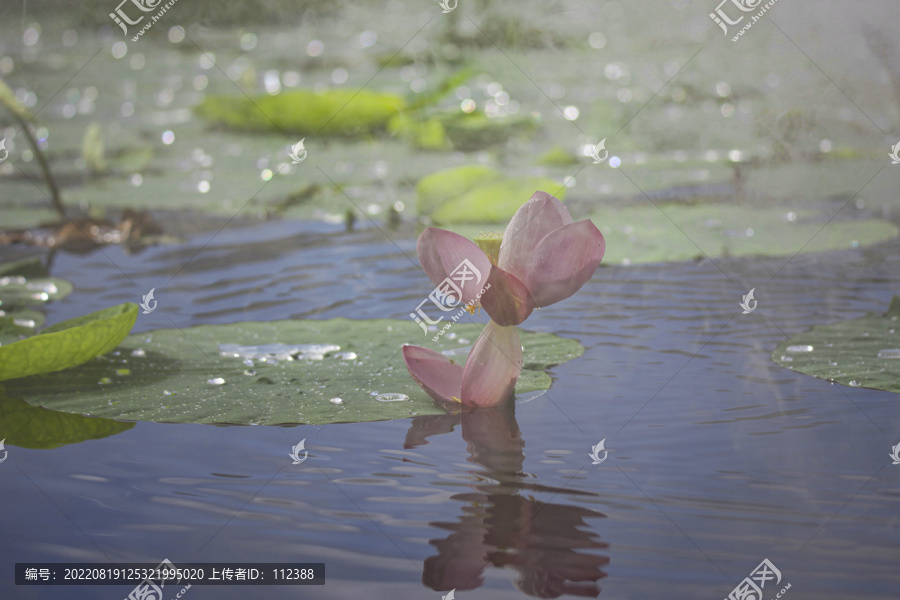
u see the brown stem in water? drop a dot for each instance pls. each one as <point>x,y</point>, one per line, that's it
<point>48,177</point>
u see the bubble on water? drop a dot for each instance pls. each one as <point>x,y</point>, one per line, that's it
<point>392,397</point>
<point>249,372</point>
<point>889,353</point>
<point>138,352</point>
<point>854,383</point>
<point>800,348</point>
<point>346,355</point>
<point>215,381</point>
<point>104,381</point>
<point>336,401</point>
<point>786,359</point>
<point>167,393</point>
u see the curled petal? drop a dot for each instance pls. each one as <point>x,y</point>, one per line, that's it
<point>493,367</point>
<point>536,218</point>
<point>442,253</point>
<point>440,377</point>
<point>506,299</point>
<point>563,261</point>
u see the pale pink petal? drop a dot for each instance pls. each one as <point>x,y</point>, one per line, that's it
<point>506,299</point>
<point>442,253</point>
<point>438,375</point>
<point>493,367</point>
<point>536,218</point>
<point>563,261</point>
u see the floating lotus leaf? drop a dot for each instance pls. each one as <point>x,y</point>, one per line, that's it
<point>344,112</point>
<point>864,352</point>
<point>677,232</point>
<point>477,194</point>
<point>192,375</point>
<point>69,343</point>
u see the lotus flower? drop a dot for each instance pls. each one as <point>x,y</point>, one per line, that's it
<point>543,258</point>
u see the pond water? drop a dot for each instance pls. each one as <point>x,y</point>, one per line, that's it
<point>717,458</point>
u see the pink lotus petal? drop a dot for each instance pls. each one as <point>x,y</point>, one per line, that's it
<point>536,218</point>
<point>438,375</point>
<point>493,367</point>
<point>441,252</point>
<point>563,261</point>
<point>507,300</point>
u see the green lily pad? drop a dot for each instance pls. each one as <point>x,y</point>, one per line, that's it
<point>477,194</point>
<point>558,157</point>
<point>335,112</point>
<point>27,426</point>
<point>18,291</point>
<point>187,376</point>
<point>437,188</point>
<point>864,352</point>
<point>644,234</point>
<point>428,134</point>
<point>17,323</point>
<point>25,284</point>
<point>69,343</point>
<point>475,130</point>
